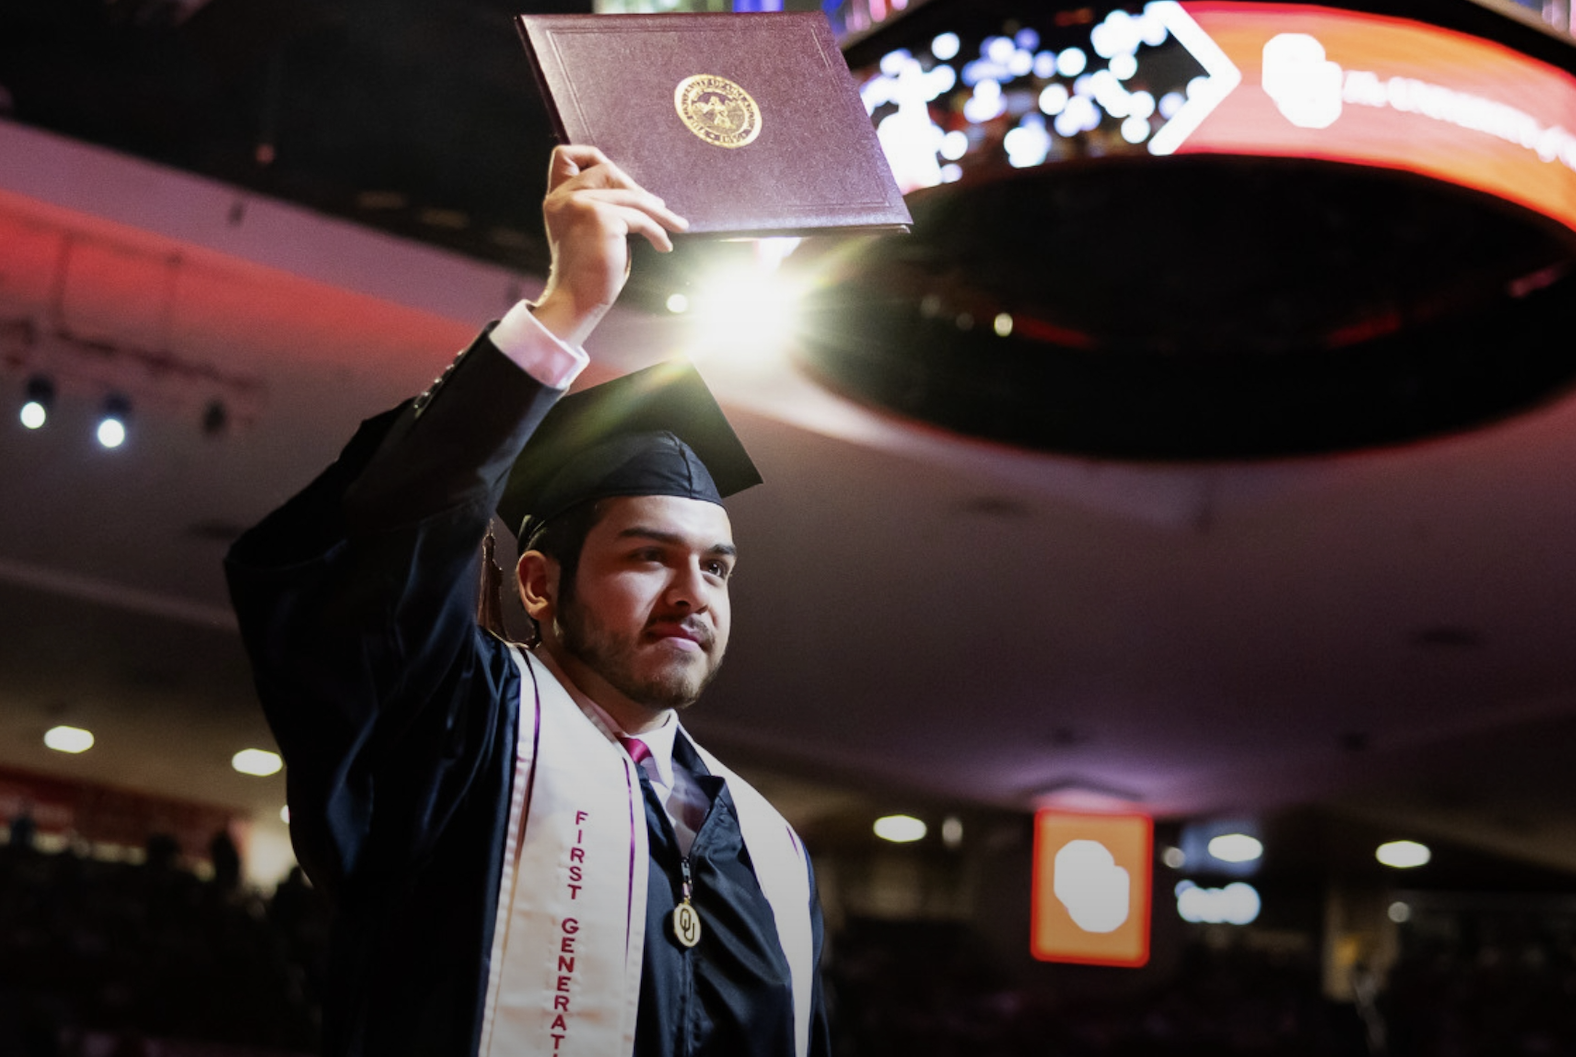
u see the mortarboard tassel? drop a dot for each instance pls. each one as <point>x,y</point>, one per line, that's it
<point>489,607</point>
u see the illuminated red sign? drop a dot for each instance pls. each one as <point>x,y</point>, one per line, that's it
<point>1091,888</point>
<point>1310,82</point>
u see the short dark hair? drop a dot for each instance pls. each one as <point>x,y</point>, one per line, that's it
<point>562,539</point>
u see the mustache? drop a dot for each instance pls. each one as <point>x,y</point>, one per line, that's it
<point>692,626</point>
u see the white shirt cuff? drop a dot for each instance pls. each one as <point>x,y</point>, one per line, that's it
<point>536,350</point>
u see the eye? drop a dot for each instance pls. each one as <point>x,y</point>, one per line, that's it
<point>718,568</point>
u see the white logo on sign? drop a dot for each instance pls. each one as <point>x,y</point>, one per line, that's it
<point>1305,85</point>
<point>1091,886</point>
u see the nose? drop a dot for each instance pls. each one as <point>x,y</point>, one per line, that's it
<point>689,589</point>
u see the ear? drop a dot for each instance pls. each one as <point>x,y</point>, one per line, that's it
<point>537,577</point>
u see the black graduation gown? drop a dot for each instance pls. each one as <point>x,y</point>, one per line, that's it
<point>397,718</point>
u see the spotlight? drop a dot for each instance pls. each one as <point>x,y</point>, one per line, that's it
<point>40,401</point>
<point>111,431</point>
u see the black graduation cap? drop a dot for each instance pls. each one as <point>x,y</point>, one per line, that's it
<point>657,431</point>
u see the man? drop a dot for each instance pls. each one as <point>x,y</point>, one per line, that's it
<point>478,814</point>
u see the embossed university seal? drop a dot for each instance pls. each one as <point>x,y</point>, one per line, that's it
<point>717,110</point>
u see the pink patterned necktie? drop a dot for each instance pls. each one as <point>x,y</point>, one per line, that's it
<point>638,751</point>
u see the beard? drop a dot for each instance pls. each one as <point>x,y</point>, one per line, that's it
<point>614,656</point>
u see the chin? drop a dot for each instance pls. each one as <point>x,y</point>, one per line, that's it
<point>678,686</point>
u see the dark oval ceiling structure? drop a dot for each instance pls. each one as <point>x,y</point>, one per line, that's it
<point>1207,229</point>
<point>1199,307</point>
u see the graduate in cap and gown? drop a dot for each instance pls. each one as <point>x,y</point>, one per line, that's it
<point>525,851</point>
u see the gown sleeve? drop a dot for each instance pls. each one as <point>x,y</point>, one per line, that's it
<point>356,601</point>
<point>820,1027</point>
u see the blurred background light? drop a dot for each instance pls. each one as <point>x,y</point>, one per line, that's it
<point>747,315</point>
<point>1119,32</point>
<point>900,829</point>
<point>40,400</point>
<point>986,103</point>
<point>678,304</point>
<point>1028,144</point>
<point>68,739</point>
<point>998,49</point>
<point>945,46</point>
<point>1110,94</point>
<point>1072,62</point>
<point>1236,904</point>
<point>1403,854</point>
<point>111,431</point>
<point>1079,115</point>
<point>1236,847</point>
<point>893,62</point>
<point>257,762</point>
<point>952,831</point>
<point>1151,28</point>
<point>1229,847</point>
<point>1135,129</point>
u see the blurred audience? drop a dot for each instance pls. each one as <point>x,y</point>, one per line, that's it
<point>103,959</point>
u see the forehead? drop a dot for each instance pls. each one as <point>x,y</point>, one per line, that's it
<point>695,521</point>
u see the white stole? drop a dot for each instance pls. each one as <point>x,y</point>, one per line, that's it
<point>570,933</point>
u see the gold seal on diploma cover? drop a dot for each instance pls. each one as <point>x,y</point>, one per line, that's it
<point>717,110</point>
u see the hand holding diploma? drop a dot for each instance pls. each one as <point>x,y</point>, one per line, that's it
<point>591,210</point>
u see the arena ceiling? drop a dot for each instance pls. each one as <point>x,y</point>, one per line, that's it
<point>299,211</point>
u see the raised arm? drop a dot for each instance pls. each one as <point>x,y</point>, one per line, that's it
<point>356,598</point>
<point>591,211</point>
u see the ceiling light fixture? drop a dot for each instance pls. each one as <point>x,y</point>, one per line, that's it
<point>952,831</point>
<point>1403,854</point>
<point>40,401</point>
<point>900,829</point>
<point>259,763</point>
<point>112,431</point>
<point>1236,847</point>
<point>69,739</point>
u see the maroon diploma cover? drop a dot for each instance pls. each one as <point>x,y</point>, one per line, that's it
<point>747,124</point>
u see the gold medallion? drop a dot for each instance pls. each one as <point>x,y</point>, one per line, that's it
<point>686,924</point>
<point>717,110</point>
